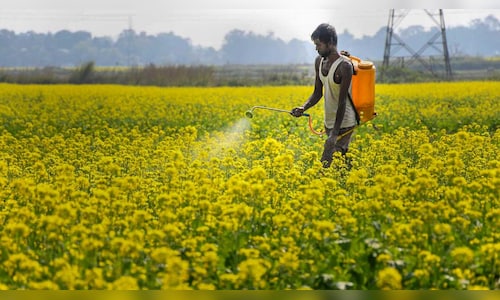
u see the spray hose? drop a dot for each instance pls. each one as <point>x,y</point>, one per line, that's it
<point>312,128</point>
<point>323,132</point>
<point>340,136</point>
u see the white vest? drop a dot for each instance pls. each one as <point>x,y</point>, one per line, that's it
<point>331,95</point>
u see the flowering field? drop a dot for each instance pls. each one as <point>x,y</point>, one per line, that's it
<point>113,187</point>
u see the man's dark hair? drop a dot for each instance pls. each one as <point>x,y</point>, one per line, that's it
<point>325,33</point>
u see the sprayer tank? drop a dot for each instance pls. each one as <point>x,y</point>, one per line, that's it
<point>363,88</point>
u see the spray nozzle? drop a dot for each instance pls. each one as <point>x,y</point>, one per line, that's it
<point>249,114</point>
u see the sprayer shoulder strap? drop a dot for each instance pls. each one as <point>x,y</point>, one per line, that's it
<point>358,119</point>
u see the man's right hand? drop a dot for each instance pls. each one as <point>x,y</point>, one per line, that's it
<point>297,111</point>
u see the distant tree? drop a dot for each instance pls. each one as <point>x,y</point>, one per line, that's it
<point>242,47</point>
<point>366,47</point>
<point>206,56</point>
<point>102,42</point>
<point>7,52</point>
<point>492,23</point>
<point>481,38</point>
<point>172,49</point>
<point>236,47</point>
<point>164,48</point>
<point>411,31</point>
<point>297,52</point>
<point>64,39</point>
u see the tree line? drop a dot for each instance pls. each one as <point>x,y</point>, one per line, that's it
<point>66,48</point>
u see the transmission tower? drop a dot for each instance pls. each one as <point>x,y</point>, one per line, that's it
<point>394,43</point>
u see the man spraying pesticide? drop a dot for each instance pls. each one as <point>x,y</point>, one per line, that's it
<point>334,75</point>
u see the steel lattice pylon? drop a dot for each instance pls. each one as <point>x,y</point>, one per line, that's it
<point>394,43</point>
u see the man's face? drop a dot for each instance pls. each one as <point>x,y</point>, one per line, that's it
<point>323,49</point>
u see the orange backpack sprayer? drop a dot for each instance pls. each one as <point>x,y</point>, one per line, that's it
<point>363,87</point>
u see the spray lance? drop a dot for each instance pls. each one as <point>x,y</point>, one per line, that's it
<point>249,114</point>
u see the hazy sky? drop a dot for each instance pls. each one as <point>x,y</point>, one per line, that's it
<point>206,22</point>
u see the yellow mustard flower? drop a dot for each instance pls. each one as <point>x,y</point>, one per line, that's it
<point>462,256</point>
<point>389,279</point>
<point>127,283</point>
